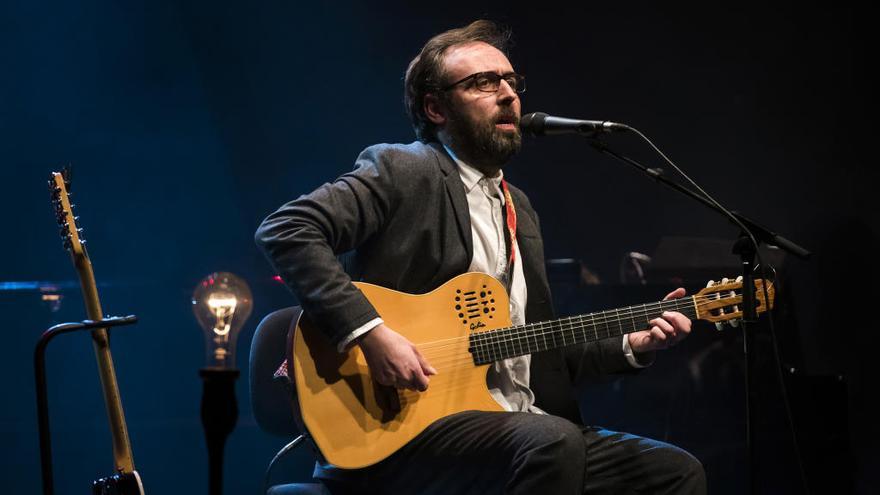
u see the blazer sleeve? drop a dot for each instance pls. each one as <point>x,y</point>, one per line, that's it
<point>598,360</point>
<point>302,238</point>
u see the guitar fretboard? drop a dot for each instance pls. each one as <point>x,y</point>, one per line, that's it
<point>504,343</point>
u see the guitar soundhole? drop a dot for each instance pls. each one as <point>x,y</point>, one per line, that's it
<point>470,305</point>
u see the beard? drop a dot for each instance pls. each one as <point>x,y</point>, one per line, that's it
<point>480,142</point>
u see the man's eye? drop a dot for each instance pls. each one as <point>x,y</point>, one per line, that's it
<point>512,81</point>
<point>483,82</point>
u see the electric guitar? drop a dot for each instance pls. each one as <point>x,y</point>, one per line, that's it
<point>125,480</point>
<point>461,328</point>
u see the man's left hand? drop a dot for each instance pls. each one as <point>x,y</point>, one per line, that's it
<point>671,328</point>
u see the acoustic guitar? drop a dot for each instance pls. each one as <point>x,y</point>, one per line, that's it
<point>125,480</point>
<point>461,328</point>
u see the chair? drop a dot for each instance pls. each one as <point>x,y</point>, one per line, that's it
<point>270,396</point>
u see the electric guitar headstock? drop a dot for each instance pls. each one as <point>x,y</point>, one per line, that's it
<point>71,234</point>
<point>721,302</point>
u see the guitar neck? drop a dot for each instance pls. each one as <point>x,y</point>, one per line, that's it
<point>504,343</point>
<point>122,455</point>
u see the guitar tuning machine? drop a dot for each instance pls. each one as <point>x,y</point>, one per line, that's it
<point>734,322</point>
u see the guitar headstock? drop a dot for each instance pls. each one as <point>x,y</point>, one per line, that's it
<point>71,234</point>
<point>721,302</point>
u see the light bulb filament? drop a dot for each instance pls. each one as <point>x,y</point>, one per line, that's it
<point>223,308</point>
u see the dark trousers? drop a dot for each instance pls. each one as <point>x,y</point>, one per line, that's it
<point>523,453</point>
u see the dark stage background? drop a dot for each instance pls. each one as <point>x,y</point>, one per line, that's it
<point>187,123</point>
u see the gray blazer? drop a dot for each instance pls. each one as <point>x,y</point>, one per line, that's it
<point>402,215</point>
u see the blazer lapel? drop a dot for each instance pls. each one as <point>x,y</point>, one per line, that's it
<point>455,190</point>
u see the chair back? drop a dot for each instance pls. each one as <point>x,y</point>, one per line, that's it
<point>270,397</point>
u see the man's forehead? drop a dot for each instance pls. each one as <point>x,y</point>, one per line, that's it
<point>465,59</point>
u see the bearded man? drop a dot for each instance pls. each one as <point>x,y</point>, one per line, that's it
<point>415,216</point>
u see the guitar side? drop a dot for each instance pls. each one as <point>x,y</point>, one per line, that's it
<point>356,422</point>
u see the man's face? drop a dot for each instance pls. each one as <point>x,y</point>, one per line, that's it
<point>483,127</point>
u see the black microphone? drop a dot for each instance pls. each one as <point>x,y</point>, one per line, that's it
<point>540,124</point>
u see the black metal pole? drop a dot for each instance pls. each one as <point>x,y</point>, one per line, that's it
<point>746,250</point>
<point>219,415</point>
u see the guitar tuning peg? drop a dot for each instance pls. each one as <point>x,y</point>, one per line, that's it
<point>719,325</point>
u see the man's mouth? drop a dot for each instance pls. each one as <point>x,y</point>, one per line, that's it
<point>506,123</point>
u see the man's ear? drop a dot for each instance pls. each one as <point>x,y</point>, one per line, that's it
<point>434,109</point>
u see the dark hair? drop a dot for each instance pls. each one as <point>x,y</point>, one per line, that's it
<point>427,73</point>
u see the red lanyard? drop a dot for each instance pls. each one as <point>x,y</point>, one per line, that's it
<point>511,222</point>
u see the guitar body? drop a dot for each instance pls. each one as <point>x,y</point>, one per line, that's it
<point>357,422</point>
<point>460,328</point>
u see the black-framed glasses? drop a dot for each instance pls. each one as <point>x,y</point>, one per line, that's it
<point>490,82</point>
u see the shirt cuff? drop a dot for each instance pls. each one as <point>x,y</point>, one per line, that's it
<point>630,355</point>
<point>366,327</point>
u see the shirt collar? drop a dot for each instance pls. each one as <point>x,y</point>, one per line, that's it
<point>471,176</point>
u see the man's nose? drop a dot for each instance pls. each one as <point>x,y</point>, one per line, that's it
<point>505,91</point>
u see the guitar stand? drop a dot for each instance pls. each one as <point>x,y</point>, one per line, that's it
<point>42,395</point>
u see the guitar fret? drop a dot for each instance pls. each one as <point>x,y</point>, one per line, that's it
<point>563,332</point>
<point>505,343</point>
<point>607,331</point>
<point>632,318</point>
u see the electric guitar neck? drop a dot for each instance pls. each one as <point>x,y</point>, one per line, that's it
<point>125,480</point>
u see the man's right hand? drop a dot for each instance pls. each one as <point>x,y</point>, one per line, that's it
<point>394,361</point>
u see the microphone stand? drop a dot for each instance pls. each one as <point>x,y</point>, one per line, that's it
<point>746,251</point>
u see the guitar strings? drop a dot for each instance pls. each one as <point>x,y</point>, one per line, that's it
<point>503,348</point>
<point>511,338</point>
<point>596,318</point>
<point>510,334</point>
<point>522,329</point>
<point>535,341</point>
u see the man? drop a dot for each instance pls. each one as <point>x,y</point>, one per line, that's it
<point>417,215</point>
